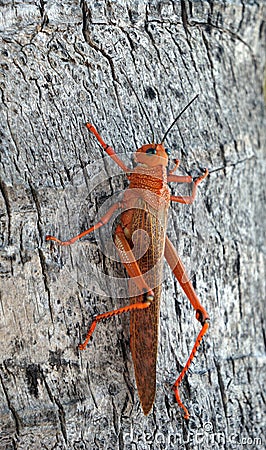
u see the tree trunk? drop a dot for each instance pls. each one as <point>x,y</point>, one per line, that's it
<point>66,63</point>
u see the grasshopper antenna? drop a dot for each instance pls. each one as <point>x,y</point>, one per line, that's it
<point>176,119</point>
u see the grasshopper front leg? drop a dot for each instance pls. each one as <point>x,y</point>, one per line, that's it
<point>188,199</point>
<point>109,150</point>
<point>95,227</point>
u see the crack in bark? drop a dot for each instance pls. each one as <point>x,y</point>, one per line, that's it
<point>3,97</point>
<point>222,387</point>
<point>86,14</point>
<point>15,145</point>
<point>184,17</point>
<point>38,208</point>
<point>243,14</point>
<point>11,407</point>
<point>89,384</point>
<point>4,192</point>
<point>206,43</point>
<point>45,280</point>
<point>54,400</point>
<point>115,417</point>
<point>42,7</point>
<point>238,267</point>
<point>263,332</point>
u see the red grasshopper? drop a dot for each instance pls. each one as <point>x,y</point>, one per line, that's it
<point>145,204</point>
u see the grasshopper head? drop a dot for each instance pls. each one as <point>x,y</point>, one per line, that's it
<point>152,155</point>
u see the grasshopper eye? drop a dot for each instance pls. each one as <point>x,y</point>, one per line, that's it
<point>151,151</point>
<point>168,151</point>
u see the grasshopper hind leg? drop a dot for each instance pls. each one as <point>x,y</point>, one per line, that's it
<point>201,314</point>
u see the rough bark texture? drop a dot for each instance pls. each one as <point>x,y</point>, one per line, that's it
<point>62,64</point>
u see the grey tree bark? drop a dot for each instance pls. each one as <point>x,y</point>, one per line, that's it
<point>65,63</point>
